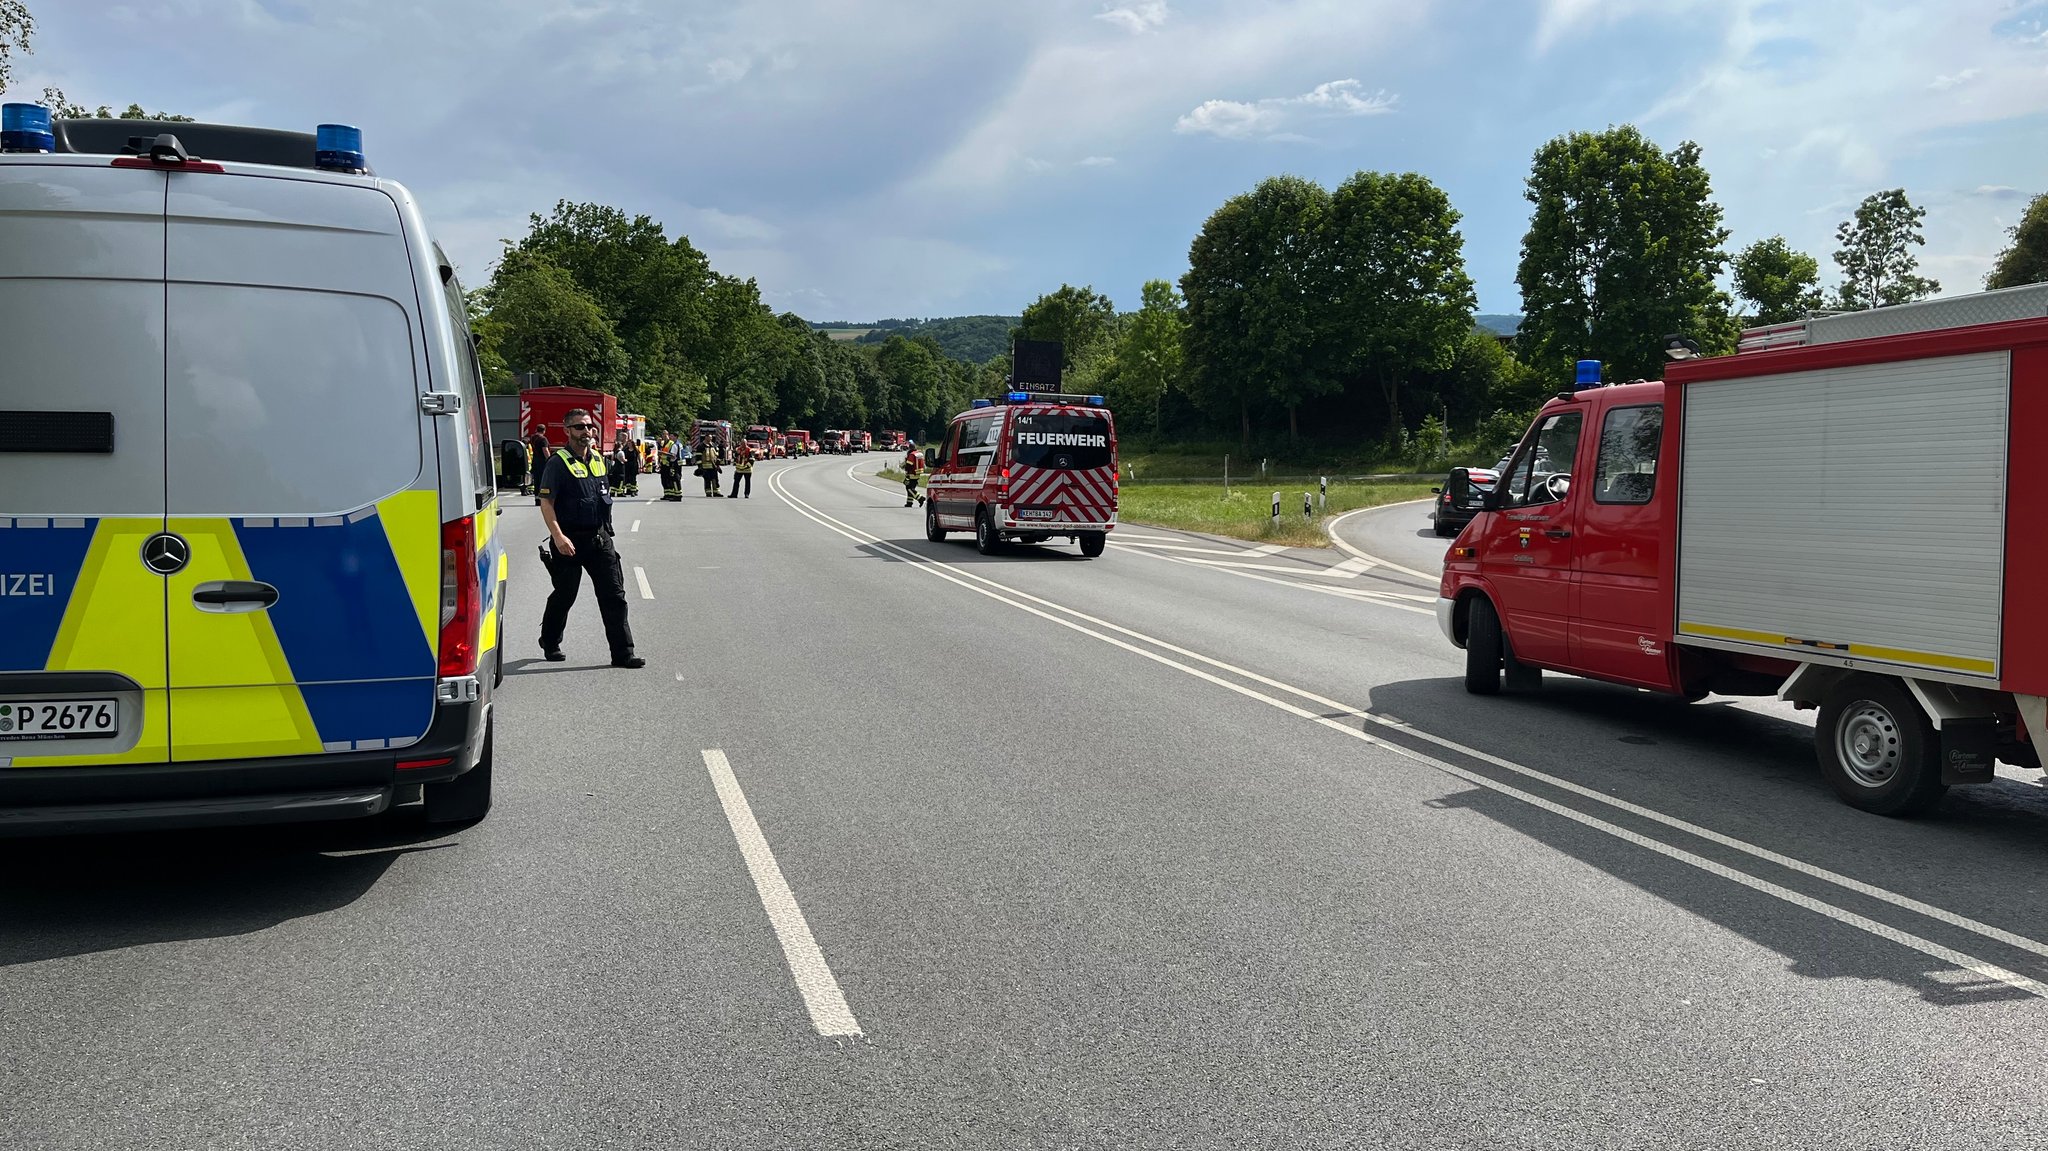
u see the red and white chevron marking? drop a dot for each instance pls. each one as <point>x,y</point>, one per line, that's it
<point>1088,495</point>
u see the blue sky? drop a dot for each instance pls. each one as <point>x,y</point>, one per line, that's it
<point>864,159</point>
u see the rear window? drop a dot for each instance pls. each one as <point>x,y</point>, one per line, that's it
<point>1044,440</point>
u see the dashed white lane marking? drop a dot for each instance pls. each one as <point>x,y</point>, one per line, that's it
<point>636,526</point>
<point>822,997</point>
<point>640,573</point>
<point>1081,621</point>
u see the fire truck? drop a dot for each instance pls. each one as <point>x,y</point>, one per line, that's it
<point>1028,466</point>
<point>832,442</point>
<point>713,432</point>
<point>893,441</point>
<point>1833,515</point>
<point>798,442</point>
<point>766,440</point>
<point>860,441</point>
<point>548,407</point>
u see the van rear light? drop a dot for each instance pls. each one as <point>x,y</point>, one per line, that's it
<point>416,764</point>
<point>461,599</point>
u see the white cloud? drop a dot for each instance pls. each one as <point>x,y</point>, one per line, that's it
<point>1238,120</point>
<point>1953,80</point>
<point>1096,161</point>
<point>1137,18</point>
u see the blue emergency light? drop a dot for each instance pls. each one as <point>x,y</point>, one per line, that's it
<point>1020,397</point>
<point>982,404</point>
<point>1588,377</point>
<point>338,148</point>
<point>26,128</point>
<point>1095,401</point>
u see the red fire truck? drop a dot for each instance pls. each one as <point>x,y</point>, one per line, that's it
<point>766,441</point>
<point>538,406</point>
<point>798,442</point>
<point>892,441</point>
<point>1834,516</point>
<point>861,441</point>
<point>1028,466</point>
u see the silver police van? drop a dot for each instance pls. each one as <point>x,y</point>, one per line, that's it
<point>249,565</point>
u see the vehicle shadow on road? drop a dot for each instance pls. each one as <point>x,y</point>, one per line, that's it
<point>1750,776</point>
<point>91,894</point>
<point>964,555</point>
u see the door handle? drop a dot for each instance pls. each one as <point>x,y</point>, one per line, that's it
<point>1558,533</point>
<point>234,595</point>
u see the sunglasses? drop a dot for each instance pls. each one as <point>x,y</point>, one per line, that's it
<point>581,427</point>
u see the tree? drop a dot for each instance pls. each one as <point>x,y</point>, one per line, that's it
<point>1399,297</point>
<point>1150,357</point>
<point>1622,250</point>
<point>550,327</point>
<point>1782,282</point>
<point>1876,254</point>
<point>1253,333</point>
<point>61,106</point>
<point>2025,260</point>
<point>1078,318</point>
<point>17,28</point>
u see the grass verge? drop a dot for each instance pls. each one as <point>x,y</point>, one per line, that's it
<point>1246,513</point>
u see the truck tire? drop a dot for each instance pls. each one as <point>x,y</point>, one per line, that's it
<point>932,530</point>
<point>1441,525</point>
<point>1877,748</point>
<point>1092,543</point>
<point>467,797</point>
<point>987,540</point>
<point>1484,646</point>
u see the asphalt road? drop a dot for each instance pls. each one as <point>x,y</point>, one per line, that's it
<point>894,845</point>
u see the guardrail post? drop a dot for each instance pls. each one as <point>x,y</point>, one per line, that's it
<point>1276,509</point>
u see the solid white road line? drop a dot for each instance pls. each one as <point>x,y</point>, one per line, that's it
<point>822,997</point>
<point>636,526</point>
<point>1024,601</point>
<point>1331,529</point>
<point>640,573</point>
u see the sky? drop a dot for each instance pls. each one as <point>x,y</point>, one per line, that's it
<point>863,159</point>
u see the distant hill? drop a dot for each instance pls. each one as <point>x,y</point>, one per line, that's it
<point>970,338</point>
<point>1498,323</point>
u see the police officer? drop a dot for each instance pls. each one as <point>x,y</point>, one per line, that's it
<point>578,512</point>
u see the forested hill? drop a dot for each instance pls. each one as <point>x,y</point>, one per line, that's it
<point>970,338</point>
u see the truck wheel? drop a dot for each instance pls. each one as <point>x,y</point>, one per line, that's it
<point>1092,543</point>
<point>986,540</point>
<point>932,530</point>
<point>467,797</point>
<point>1484,646</point>
<point>1877,748</point>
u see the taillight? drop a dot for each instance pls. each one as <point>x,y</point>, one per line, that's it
<point>462,617</point>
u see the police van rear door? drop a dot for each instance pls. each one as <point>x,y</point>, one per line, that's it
<point>306,620</point>
<point>1062,466</point>
<point>82,666</point>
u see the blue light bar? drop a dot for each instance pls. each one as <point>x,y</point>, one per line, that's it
<point>1095,401</point>
<point>982,404</point>
<point>1588,375</point>
<point>338,148</point>
<point>1020,397</point>
<point>26,128</point>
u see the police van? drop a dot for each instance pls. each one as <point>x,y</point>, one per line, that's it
<point>1028,466</point>
<point>249,560</point>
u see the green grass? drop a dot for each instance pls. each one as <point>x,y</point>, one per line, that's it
<point>893,475</point>
<point>1246,513</point>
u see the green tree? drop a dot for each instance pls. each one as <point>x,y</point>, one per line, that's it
<point>1254,334</point>
<point>1783,282</point>
<point>2025,260</point>
<point>1399,299</point>
<point>1078,318</point>
<point>61,106</point>
<point>17,29</point>
<point>1622,250</point>
<point>1876,253</point>
<point>1150,358</point>
<point>550,327</point>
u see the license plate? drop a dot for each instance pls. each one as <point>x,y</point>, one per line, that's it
<point>1035,514</point>
<point>60,719</point>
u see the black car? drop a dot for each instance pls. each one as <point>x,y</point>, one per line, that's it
<point>1461,496</point>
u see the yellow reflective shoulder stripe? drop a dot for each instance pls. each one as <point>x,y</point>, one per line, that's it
<point>596,467</point>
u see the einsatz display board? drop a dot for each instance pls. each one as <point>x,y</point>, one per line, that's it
<point>1036,362</point>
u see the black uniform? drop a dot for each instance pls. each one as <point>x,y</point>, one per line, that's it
<point>536,458</point>
<point>583,510</point>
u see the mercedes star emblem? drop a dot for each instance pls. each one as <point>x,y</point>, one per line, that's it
<point>166,554</point>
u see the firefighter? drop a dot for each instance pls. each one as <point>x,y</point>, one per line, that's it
<point>670,453</point>
<point>578,513</point>
<point>629,468</point>
<point>743,469</point>
<point>913,466</point>
<point>707,466</point>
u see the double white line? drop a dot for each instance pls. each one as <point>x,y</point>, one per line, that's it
<point>1196,665</point>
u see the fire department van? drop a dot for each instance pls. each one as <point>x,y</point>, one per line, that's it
<point>1029,466</point>
<point>1834,515</point>
<point>249,562</point>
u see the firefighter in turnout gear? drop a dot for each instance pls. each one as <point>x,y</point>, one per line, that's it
<point>670,455</point>
<point>577,507</point>
<point>707,466</point>
<point>743,468</point>
<point>913,466</point>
